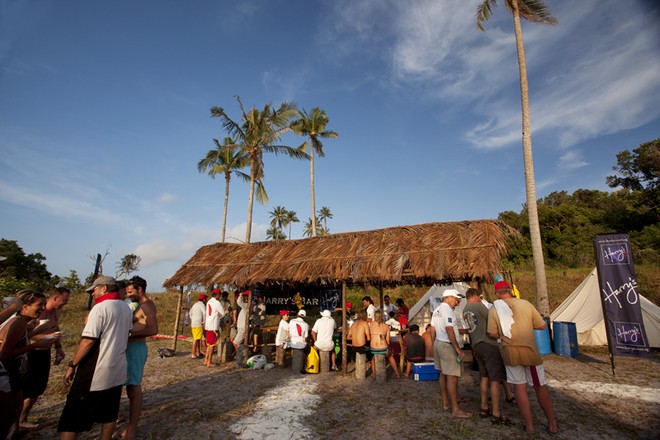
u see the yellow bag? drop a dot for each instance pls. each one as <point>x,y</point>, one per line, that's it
<point>313,361</point>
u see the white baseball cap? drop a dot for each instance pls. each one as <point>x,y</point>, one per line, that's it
<point>452,292</point>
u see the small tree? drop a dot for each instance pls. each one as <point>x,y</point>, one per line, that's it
<point>71,282</point>
<point>129,263</point>
<point>291,217</point>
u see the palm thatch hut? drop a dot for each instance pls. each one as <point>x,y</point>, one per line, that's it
<point>419,254</point>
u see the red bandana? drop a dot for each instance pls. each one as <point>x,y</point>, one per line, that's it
<point>113,295</point>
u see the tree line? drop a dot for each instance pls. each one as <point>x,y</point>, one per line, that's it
<point>569,222</point>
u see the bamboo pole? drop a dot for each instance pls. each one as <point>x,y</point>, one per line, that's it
<point>344,330</point>
<point>178,316</point>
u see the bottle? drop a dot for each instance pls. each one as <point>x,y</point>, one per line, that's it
<point>59,357</point>
<point>458,359</point>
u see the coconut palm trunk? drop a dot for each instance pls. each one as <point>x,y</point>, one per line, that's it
<point>534,230</point>
<point>311,174</point>
<point>248,228</point>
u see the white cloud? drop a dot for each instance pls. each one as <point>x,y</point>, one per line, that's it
<point>572,160</point>
<point>166,198</point>
<point>57,204</point>
<point>593,81</point>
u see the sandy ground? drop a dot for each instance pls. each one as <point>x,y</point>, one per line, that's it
<point>185,400</point>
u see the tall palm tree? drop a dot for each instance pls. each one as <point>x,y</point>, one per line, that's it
<point>275,234</point>
<point>226,158</point>
<point>324,215</point>
<point>278,217</point>
<point>257,133</point>
<point>537,12</point>
<point>291,217</point>
<point>313,126</point>
<point>308,229</point>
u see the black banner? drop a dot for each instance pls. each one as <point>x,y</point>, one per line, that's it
<point>620,297</point>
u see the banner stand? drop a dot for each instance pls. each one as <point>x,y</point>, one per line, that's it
<point>620,298</point>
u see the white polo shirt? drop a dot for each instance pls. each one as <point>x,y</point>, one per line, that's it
<point>443,317</point>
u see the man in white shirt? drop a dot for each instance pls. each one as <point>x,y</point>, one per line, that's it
<point>214,313</point>
<point>447,351</point>
<point>322,332</point>
<point>98,368</point>
<point>298,331</point>
<point>242,304</point>
<point>388,306</point>
<point>368,304</point>
<point>197,319</point>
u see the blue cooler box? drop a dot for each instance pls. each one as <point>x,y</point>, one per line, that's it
<point>425,371</point>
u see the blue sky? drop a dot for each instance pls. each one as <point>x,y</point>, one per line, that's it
<point>104,114</point>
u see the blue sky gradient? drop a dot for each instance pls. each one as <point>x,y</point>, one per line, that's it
<point>104,114</point>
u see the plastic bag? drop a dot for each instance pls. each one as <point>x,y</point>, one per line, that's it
<point>257,362</point>
<point>313,361</point>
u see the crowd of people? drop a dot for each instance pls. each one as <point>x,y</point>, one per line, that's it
<point>506,354</point>
<point>112,351</point>
<point>110,356</point>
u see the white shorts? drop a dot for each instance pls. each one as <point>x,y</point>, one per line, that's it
<point>240,336</point>
<point>519,374</point>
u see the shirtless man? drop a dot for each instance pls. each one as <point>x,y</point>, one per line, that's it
<point>145,324</point>
<point>428,343</point>
<point>359,333</point>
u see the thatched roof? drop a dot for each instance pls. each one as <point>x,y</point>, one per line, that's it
<point>405,254</point>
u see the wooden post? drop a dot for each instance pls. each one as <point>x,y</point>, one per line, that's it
<point>267,351</point>
<point>360,366</point>
<point>344,330</point>
<point>402,355</point>
<point>380,294</point>
<point>176,321</point>
<point>280,357</point>
<point>246,340</point>
<point>224,350</point>
<point>381,368</point>
<point>298,360</point>
<point>324,358</point>
<point>242,355</point>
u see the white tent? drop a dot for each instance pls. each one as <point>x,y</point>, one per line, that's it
<point>583,307</point>
<point>421,312</point>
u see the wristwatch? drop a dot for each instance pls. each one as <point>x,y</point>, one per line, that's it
<point>71,365</point>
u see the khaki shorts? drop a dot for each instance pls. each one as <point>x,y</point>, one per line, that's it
<point>445,358</point>
<point>532,376</point>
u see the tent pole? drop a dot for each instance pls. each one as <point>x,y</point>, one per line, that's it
<point>178,316</point>
<point>344,330</point>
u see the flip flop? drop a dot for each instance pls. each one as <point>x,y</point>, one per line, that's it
<point>462,416</point>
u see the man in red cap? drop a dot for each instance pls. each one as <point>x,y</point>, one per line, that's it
<point>514,320</point>
<point>214,313</point>
<point>197,320</point>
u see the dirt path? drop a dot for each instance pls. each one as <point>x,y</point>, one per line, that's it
<point>185,400</point>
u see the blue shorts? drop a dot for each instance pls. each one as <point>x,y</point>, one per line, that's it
<point>136,357</point>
